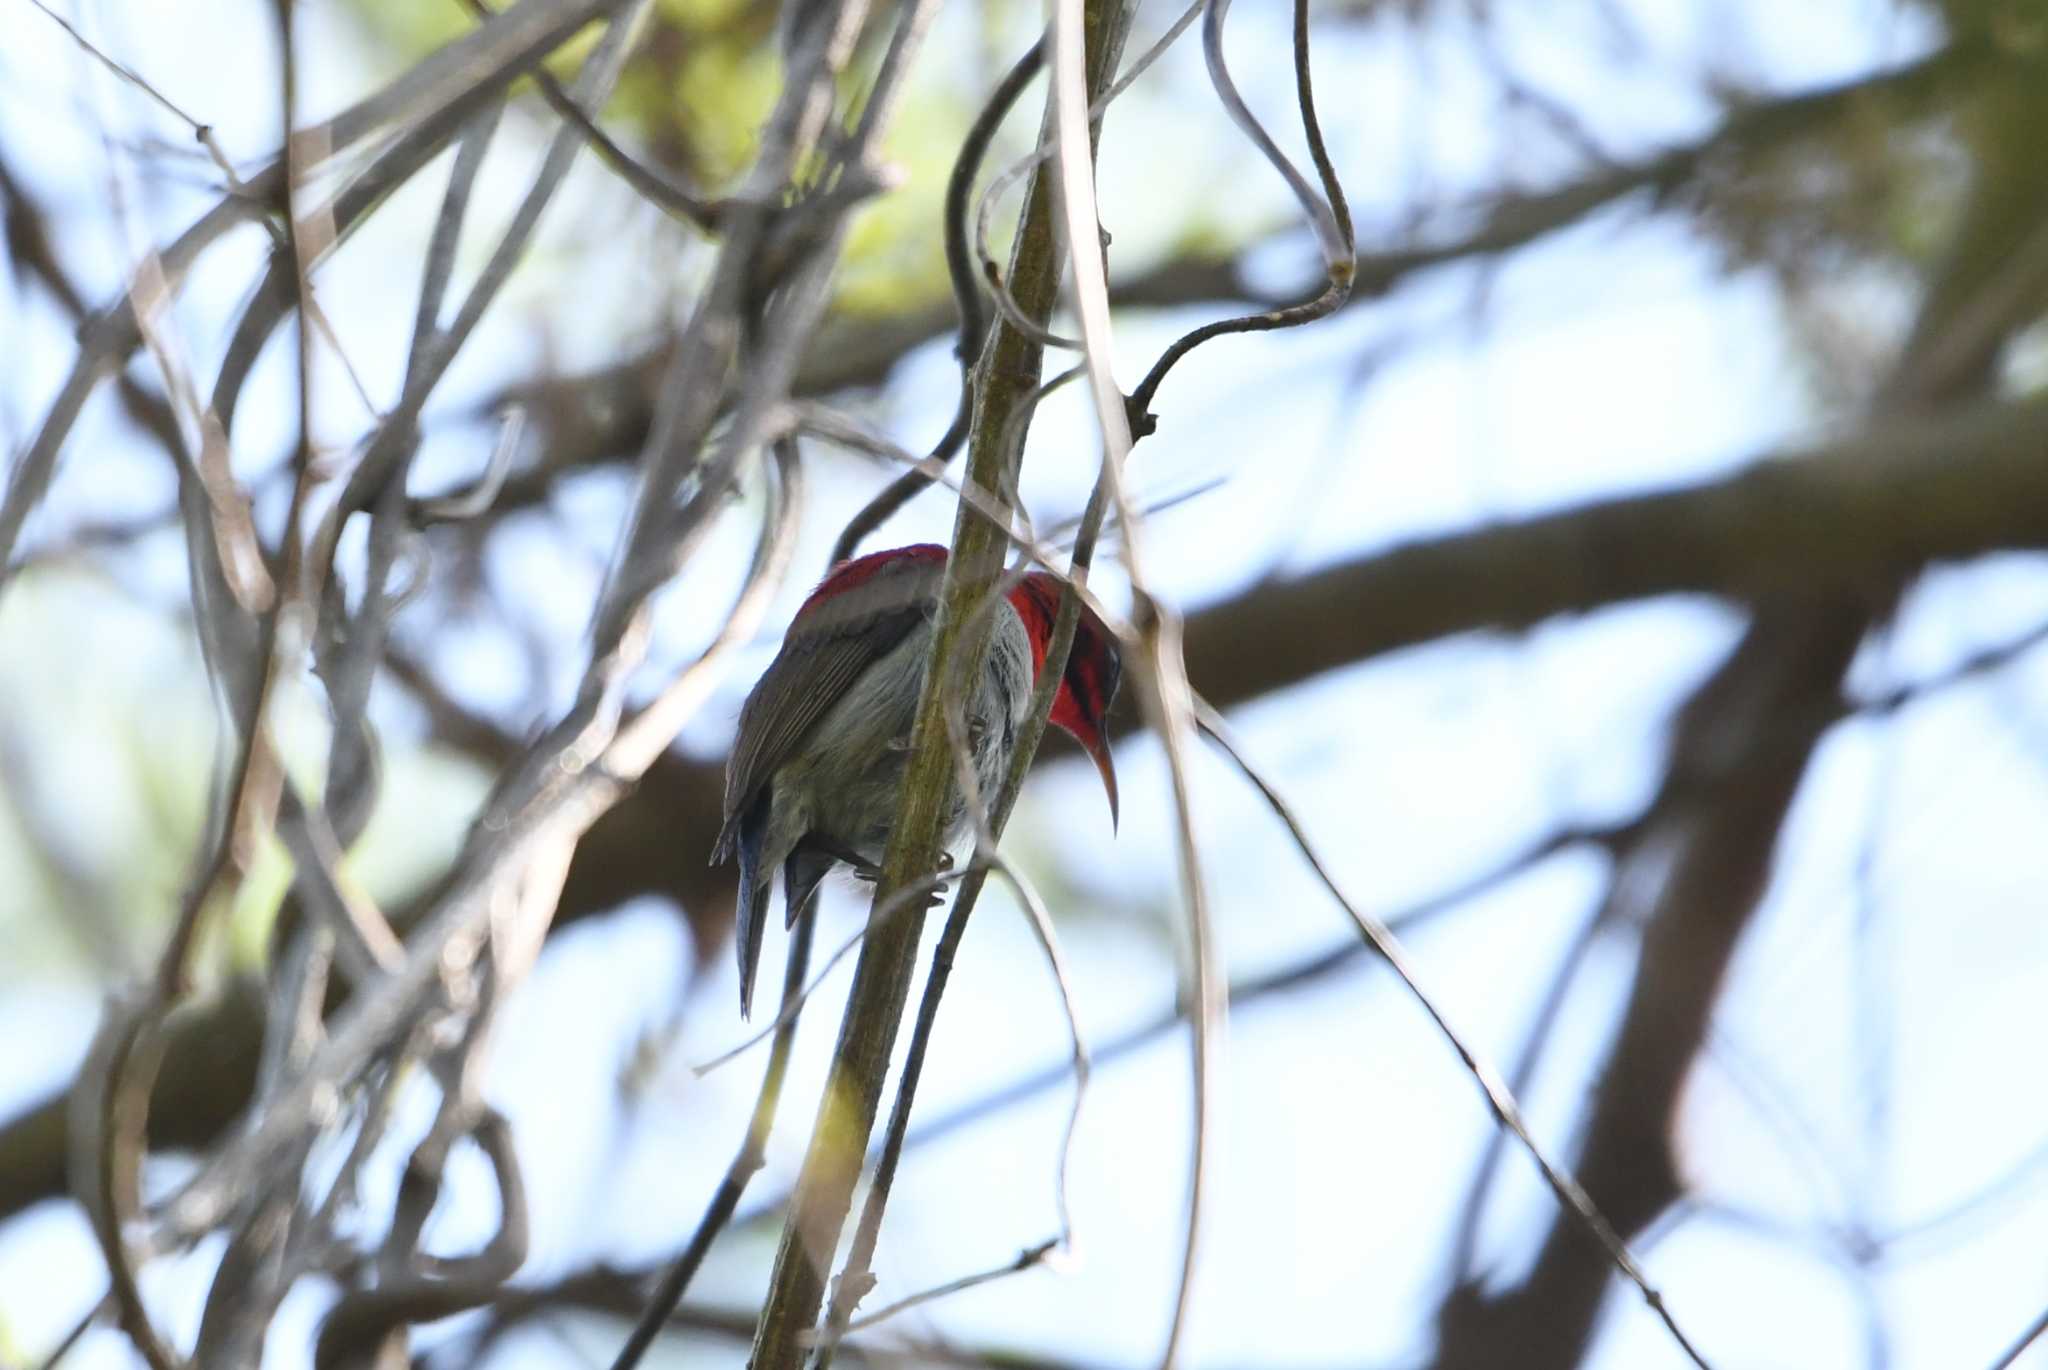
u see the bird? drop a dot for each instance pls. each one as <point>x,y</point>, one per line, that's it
<point>824,736</point>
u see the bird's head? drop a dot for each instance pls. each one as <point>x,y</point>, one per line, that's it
<point>1088,686</point>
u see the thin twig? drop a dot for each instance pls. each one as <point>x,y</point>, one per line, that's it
<point>753,1154</point>
<point>1248,993</point>
<point>1465,1245</point>
<point>966,300</point>
<point>913,896</point>
<point>1029,1258</point>
<point>202,132</point>
<point>2034,1332</point>
<point>70,1339</point>
<point>856,1277</point>
<point>1570,1194</point>
<point>882,978</point>
<point>860,1262</point>
<point>1327,212</point>
<point>659,188</point>
<point>1162,675</point>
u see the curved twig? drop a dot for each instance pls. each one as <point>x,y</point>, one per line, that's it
<point>1331,219</point>
<point>1333,234</point>
<point>478,498</point>
<point>912,895</point>
<point>1161,674</point>
<point>966,299</point>
<point>658,188</point>
<point>1023,166</point>
<point>753,1154</point>
<point>1570,1193</point>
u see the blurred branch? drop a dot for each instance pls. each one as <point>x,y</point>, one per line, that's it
<point>1535,1042</point>
<point>31,250</point>
<point>1571,1195</point>
<point>428,101</point>
<point>1741,744</point>
<point>881,983</point>
<point>1311,970</point>
<point>1739,751</point>
<point>617,1291</point>
<point>1841,516</point>
<point>599,416</point>
<point>657,188</point>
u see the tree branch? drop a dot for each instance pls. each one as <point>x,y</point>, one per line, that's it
<point>1836,518</point>
<point>881,984</point>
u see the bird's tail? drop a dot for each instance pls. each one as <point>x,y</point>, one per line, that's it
<point>751,910</point>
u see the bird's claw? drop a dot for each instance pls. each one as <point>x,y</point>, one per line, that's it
<point>872,875</point>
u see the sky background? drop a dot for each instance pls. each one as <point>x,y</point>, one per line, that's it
<point>1874,1051</point>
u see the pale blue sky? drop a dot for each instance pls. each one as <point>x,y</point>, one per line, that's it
<point>1617,356</point>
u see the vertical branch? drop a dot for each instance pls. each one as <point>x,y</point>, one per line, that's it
<point>881,985</point>
<point>1162,675</point>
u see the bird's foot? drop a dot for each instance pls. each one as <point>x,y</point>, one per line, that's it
<point>872,875</point>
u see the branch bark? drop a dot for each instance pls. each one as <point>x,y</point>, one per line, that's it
<point>1005,385</point>
<point>1831,520</point>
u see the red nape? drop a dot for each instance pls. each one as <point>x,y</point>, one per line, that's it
<point>860,570</point>
<point>1037,601</point>
<point>1037,606</point>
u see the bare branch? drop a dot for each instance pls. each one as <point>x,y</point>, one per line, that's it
<point>882,977</point>
<point>1498,1097</point>
<point>429,100</point>
<point>1162,674</point>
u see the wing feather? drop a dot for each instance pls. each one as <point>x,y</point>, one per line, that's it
<point>830,643</point>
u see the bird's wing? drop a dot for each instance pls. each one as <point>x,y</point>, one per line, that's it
<point>829,644</point>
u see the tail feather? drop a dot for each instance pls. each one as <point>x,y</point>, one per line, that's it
<point>800,876</point>
<point>751,910</point>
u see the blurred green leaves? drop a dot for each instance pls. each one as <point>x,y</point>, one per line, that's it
<point>107,731</point>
